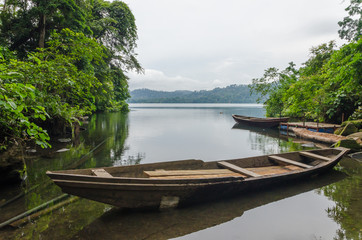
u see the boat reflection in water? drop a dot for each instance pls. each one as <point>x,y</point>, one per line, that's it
<point>270,132</point>
<point>120,224</point>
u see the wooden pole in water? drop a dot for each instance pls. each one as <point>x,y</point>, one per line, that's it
<point>304,120</point>
<point>318,125</point>
<point>31,211</point>
<point>44,205</point>
<point>43,212</point>
<point>80,161</point>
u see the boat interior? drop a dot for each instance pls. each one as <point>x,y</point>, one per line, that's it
<point>198,169</point>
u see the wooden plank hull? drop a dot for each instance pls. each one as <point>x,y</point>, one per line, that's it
<point>129,188</point>
<point>259,122</point>
<point>173,224</point>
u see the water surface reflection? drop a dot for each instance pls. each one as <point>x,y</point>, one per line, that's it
<point>326,207</point>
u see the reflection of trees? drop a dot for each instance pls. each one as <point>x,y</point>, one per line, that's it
<point>114,128</point>
<point>263,143</point>
<point>270,145</point>
<point>347,196</point>
<point>111,127</point>
<point>38,186</point>
<point>130,160</point>
<point>268,141</point>
<point>101,144</point>
<point>62,224</point>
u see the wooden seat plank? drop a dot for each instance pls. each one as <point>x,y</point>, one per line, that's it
<point>315,156</point>
<point>101,173</point>
<point>289,161</point>
<point>271,170</point>
<point>238,169</point>
<point>165,173</point>
<point>231,174</point>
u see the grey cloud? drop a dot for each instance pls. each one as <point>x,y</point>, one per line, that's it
<point>202,43</point>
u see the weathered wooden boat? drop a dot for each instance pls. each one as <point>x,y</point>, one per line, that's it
<point>180,183</point>
<point>259,122</point>
<point>172,224</point>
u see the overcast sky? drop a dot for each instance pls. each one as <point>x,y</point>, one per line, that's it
<point>203,44</point>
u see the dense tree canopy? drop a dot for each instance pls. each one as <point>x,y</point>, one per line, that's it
<point>26,25</point>
<point>351,26</point>
<point>328,86</point>
<point>59,60</point>
<point>113,25</point>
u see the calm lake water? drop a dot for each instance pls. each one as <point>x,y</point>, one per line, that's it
<point>324,207</point>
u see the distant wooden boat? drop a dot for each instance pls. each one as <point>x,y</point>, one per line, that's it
<point>180,183</point>
<point>259,122</point>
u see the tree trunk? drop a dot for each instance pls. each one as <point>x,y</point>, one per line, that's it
<point>4,6</point>
<point>42,31</point>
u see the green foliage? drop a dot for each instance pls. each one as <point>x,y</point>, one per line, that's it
<point>343,75</point>
<point>26,25</point>
<point>19,110</point>
<point>113,24</point>
<point>348,129</point>
<point>327,86</point>
<point>274,84</point>
<point>318,57</point>
<point>49,85</point>
<point>349,143</point>
<point>85,48</point>
<point>357,114</point>
<point>54,72</point>
<point>346,194</point>
<point>351,26</point>
<point>357,123</point>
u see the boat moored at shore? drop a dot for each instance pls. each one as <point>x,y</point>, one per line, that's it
<point>180,183</point>
<point>259,122</point>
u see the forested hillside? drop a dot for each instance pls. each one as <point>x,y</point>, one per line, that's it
<point>230,94</point>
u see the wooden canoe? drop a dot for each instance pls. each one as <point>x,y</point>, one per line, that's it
<point>180,183</point>
<point>116,224</point>
<point>259,122</point>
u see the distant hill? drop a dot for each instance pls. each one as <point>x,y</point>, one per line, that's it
<point>229,94</point>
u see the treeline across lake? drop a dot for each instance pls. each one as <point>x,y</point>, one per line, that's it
<point>230,94</point>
